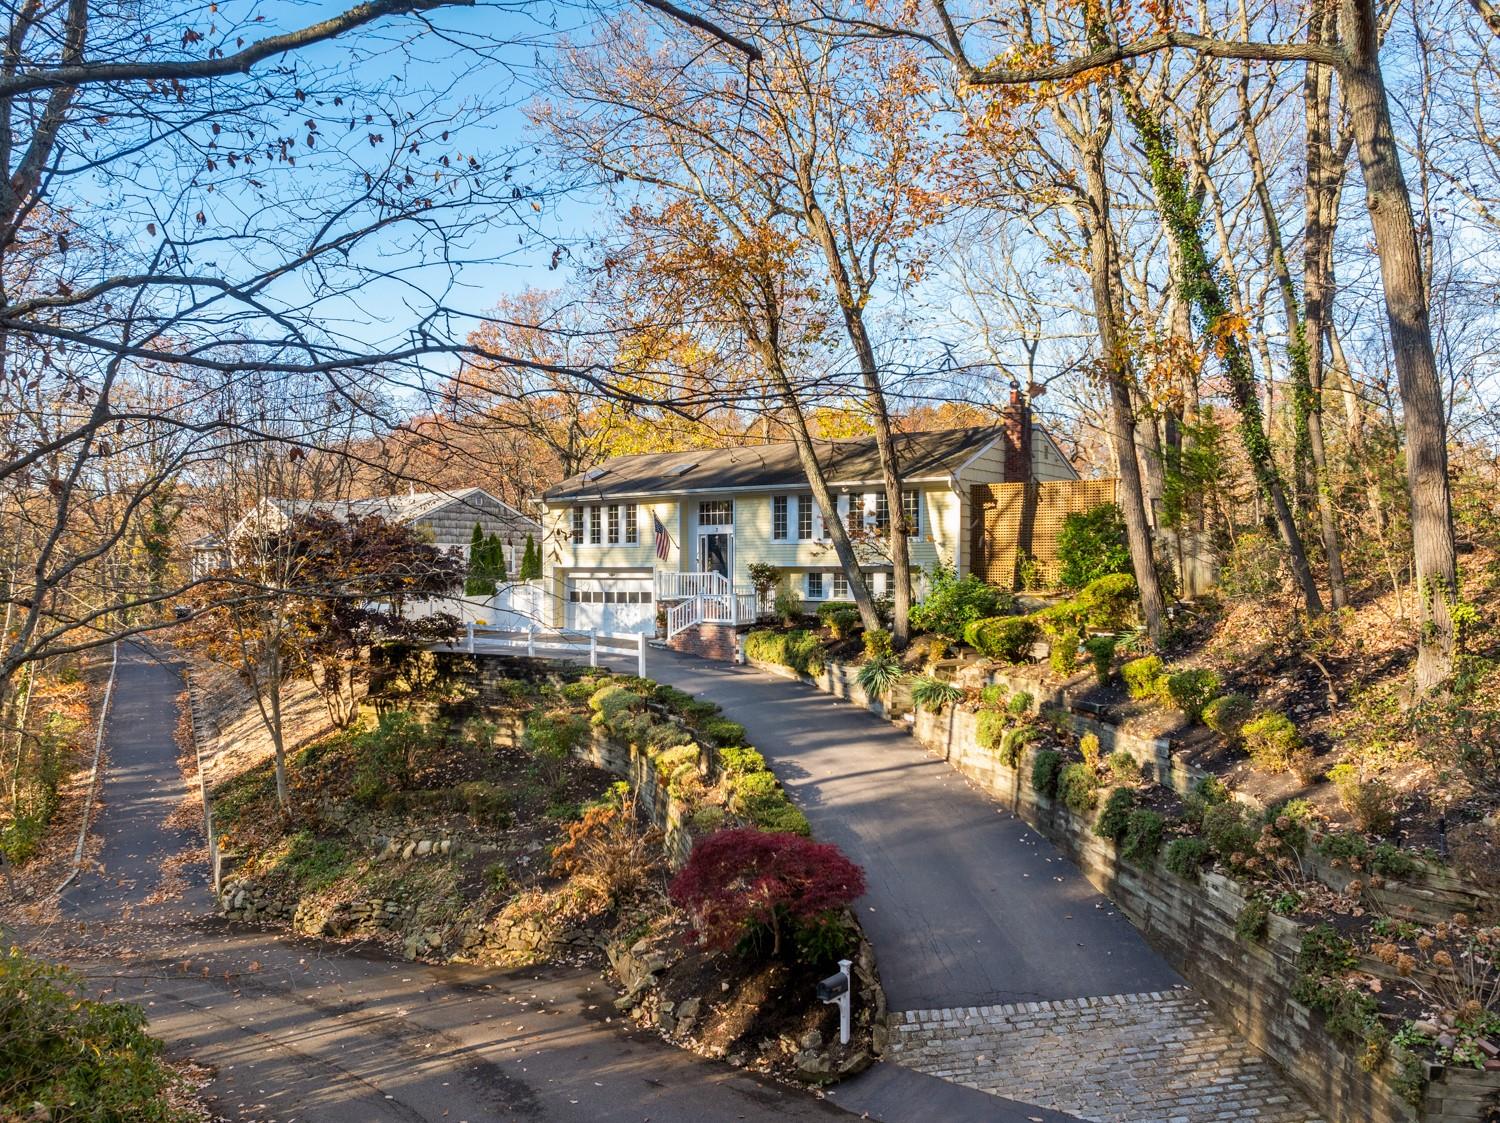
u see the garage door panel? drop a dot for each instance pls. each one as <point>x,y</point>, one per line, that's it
<point>610,604</point>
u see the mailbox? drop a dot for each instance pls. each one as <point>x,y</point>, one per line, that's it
<point>833,988</point>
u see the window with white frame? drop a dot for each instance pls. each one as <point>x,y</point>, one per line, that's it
<point>804,518</point>
<point>596,529</point>
<point>578,526</point>
<point>779,518</point>
<point>882,512</point>
<point>632,530</point>
<point>911,509</point>
<point>815,586</point>
<point>614,524</point>
<point>854,512</point>
<point>716,512</point>
<point>840,586</point>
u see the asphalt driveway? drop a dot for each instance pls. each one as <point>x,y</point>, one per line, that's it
<point>967,905</point>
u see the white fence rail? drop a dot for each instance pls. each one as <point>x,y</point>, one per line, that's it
<point>553,643</point>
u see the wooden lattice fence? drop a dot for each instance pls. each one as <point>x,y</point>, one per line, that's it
<point>1009,522</point>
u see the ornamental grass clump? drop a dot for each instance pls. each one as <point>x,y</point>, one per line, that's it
<point>932,694</point>
<point>878,673</point>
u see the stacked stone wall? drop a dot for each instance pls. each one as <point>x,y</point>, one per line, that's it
<point>1192,924</point>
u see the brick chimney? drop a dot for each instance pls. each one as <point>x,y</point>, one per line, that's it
<point>1016,420</point>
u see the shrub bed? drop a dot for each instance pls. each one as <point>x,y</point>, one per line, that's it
<point>798,649</point>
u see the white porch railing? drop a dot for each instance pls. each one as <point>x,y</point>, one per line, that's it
<point>735,607</point>
<point>731,608</point>
<point>674,585</point>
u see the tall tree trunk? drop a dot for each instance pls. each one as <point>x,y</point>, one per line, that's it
<point>1303,341</point>
<point>1207,294</point>
<point>1389,206</point>
<point>1152,457</point>
<point>817,483</point>
<point>1102,277</point>
<point>851,305</point>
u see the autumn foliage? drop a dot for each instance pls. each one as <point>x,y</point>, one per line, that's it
<point>743,881</point>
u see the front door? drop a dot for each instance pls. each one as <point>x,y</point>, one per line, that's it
<point>716,552</point>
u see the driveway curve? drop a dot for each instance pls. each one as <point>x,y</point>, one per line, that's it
<point>967,905</point>
<point>298,1030</point>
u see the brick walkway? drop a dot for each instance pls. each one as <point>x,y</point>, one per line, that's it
<point>1128,1058</point>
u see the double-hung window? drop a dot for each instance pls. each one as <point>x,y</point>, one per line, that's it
<point>814,586</point>
<point>911,510</point>
<point>882,512</point>
<point>855,517</point>
<point>840,586</point>
<point>578,526</point>
<point>632,531</point>
<point>614,524</point>
<point>596,530</point>
<point>779,518</point>
<point>804,518</point>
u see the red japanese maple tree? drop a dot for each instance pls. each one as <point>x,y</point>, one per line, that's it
<point>740,879</point>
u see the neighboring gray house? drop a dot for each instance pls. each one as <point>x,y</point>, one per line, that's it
<point>448,517</point>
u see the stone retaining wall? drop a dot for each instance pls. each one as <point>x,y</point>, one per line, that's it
<point>665,812</point>
<point>1193,926</point>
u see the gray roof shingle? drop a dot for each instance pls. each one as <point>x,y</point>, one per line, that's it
<point>921,455</point>
<point>393,508</point>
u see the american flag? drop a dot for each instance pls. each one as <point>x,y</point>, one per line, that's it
<point>663,539</point>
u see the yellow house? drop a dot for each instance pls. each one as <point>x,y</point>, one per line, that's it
<point>640,531</point>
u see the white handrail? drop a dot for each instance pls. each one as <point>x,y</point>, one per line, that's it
<point>682,616</point>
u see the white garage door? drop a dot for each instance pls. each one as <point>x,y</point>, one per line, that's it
<point>611,604</point>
